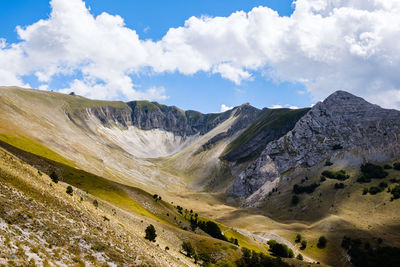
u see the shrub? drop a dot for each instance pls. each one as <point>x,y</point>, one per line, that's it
<point>280,250</point>
<point>328,163</point>
<point>300,189</point>
<point>69,190</point>
<point>299,257</point>
<point>295,200</point>
<point>387,167</point>
<point>395,192</point>
<point>303,245</point>
<point>338,175</point>
<point>373,190</point>
<point>54,177</point>
<point>298,238</point>
<point>188,248</point>
<point>323,179</point>
<point>95,203</point>
<point>396,166</point>
<point>365,191</point>
<point>370,170</point>
<point>150,233</point>
<point>322,242</point>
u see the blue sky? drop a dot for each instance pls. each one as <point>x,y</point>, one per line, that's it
<point>202,54</point>
<point>152,19</point>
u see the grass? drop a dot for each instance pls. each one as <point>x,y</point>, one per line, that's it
<point>146,104</point>
<point>34,147</point>
<point>88,182</point>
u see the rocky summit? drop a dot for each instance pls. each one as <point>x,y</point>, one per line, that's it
<point>343,127</point>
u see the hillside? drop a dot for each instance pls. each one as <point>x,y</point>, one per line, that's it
<point>260,174</point>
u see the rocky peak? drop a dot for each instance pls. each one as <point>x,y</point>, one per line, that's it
<point>340,124</point>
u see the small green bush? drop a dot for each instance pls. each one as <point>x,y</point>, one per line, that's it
<point>322,241</point>
<point>338,175</point>
<point>69,190</point>
<point>150,233</point>
<point>54,177</point>
<point>303,245</point>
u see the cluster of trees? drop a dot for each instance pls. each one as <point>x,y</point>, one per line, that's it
<point>300,189</point>
<point>338,175</point>
<point>280,250</point>
<point>209,227</point>
<point>365,255</point>
<point>251,258</point>
<point>373,190</point>
<point>191,252</point>
<point>303,242</point>
<point>212,229</point>
<point>395,192</point>
<point>371,171</point>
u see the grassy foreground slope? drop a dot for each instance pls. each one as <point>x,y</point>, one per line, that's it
<point>129,207</point>
<point>42,225</point>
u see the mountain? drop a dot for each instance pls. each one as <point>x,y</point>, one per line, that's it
<point>344,129</point>
<point>260,173</point>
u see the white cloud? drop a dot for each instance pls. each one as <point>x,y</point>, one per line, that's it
<point>351,45</point>
<point>225,108</point>
<point>276,106</point>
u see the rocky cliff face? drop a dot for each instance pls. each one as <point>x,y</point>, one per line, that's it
<point>270,125</point>
<point>151,115</point>
<point>340,124</point>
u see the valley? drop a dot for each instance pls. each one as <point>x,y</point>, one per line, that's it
<point>238,168</point>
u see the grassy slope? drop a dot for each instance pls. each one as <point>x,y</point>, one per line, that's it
<point>133,200</point>
<point>34,147</point>
<point>270,118</point>
<point>44,225</point>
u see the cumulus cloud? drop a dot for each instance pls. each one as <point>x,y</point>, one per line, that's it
<point>225,108</point>
<point>351,45</point>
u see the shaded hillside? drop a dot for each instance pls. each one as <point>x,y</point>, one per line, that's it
<point>270,125</point>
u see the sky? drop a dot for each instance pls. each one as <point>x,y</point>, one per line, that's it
<point>204,55</point>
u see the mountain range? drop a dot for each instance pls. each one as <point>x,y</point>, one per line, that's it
<point>261,174</point>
